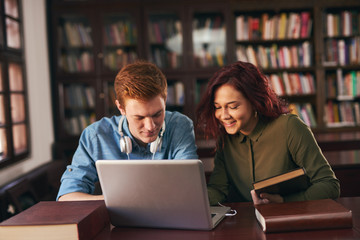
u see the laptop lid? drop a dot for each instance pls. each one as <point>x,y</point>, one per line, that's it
<point>157,193</point>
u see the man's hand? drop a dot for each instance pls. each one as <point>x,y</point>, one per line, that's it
<point>266,198</point>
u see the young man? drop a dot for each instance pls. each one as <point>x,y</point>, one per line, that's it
<point>143,131</point>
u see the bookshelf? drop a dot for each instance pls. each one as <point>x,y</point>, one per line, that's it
<point>209,39</point>
<point>75,45</point>
<point>189,41</point>
<point>281,44</point>
<point>341,61</point>
<point>120,39</point>
<point>165,40</point>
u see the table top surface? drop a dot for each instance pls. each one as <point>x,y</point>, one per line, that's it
<point>241,226</point>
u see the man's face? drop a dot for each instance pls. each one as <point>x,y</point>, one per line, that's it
<point>145,118</point>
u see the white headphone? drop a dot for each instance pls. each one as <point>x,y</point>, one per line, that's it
<point>125,141</point>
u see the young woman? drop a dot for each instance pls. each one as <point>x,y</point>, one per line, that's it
<point>257,138</point>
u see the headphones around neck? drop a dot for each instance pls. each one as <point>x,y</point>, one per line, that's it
<point>125,141</point>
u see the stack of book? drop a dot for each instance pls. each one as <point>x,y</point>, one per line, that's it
<point>50,220</point>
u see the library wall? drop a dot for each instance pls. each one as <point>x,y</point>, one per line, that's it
<point>309,50</point>
<point>39,92</point>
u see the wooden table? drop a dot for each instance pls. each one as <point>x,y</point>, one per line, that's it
<point>242,226</point>
<point>346,165</point>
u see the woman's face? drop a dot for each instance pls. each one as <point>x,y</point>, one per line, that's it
<point>234,111</point>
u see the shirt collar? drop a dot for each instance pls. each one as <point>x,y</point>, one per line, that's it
<point>256,133</point>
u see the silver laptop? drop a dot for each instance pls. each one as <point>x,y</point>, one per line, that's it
<point>158,194</point>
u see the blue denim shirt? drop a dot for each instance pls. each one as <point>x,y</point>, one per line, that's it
<point>101,140</point>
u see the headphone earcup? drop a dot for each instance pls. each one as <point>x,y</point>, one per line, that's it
<point>125,145</point>
<point>154,146</point>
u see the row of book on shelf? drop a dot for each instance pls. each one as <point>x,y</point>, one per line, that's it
<point>162,29</point>
<point>343,86</point>
<point>342,51</point>
<point>207,24</point>
<point>175,94</point>
<point>76,123</point>
<point>292,83</point>
<point>209,41</point>
<point>274,56</point>
<point>278,26</point>
<point>344,23</point>
<point>208,30</point>
<point>77,62</point>
<point>265,57</point>
<point>115,60</point>
<point>342,114</point>
<point>122,32</point>
<point>75,34</point>
<point>305,112</point>
<point>205,58</point>
<point>164,58</point>
<point>79,96</point>
<point>343,90</point>
<point>291,25</point>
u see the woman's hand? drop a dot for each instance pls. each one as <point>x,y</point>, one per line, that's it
<point>266,198</point>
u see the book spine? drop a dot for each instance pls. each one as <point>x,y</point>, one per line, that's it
<point>311,222</point>
<point>94,223</point>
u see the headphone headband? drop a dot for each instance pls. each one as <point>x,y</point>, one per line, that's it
<point>120,125</point>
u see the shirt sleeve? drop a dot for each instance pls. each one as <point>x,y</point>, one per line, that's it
<point>218,186</point>
<point>306,153</point>
<point>81,175</point>
<point>182,139</point>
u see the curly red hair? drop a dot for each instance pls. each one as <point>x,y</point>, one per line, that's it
<point>252,83</point>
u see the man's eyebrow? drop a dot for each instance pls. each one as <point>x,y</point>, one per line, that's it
<point>157,113</point>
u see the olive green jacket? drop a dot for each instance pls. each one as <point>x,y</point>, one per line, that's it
<point>271,149</point>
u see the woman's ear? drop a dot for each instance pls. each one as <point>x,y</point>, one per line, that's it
<point>121,109</point>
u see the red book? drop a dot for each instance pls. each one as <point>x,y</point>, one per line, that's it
<point>50,220</point>
<point>255,28</point>
<point>305,17</point>
<point>303,215</point>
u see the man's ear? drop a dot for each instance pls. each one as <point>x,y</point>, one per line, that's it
<point>121,109</point>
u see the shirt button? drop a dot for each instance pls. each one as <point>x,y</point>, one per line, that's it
<point>70,169</point>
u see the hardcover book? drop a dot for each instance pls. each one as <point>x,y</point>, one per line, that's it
<point>284,184</point>
<point>303,215</point>
<point>51,220</point>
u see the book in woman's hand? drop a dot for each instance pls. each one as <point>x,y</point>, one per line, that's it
<point>284,184</point>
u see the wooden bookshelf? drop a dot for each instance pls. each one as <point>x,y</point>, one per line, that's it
<point>190,40</point>
<point>281,43</point>
<point>341,60</point>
